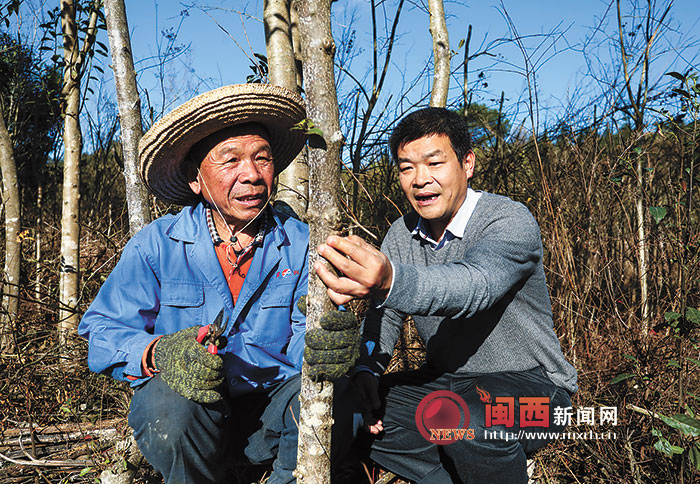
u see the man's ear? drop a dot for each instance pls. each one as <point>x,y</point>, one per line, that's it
<point>195,186</point>
<point>468,164</point>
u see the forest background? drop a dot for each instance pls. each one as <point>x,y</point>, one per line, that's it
<point>603,152</point>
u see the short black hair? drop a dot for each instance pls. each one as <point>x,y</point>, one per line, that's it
<point>430,121</point>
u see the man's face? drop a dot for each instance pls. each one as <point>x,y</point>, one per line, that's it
<point>433,179</point>
<point>237,173</point>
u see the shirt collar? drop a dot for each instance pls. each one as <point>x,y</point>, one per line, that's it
<point>456,227</point>
<point>217,239</point>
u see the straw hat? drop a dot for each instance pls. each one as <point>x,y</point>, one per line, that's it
<point>164,147</point>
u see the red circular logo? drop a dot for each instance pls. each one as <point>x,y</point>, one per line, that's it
<point>442,417</point>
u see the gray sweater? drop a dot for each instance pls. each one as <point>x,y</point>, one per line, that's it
<point>480,303</point>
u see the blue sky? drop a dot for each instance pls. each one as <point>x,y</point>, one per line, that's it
<point>221,37</point>
<point>216,57</point>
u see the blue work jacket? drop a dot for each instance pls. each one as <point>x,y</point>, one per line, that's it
<point>169,278</point>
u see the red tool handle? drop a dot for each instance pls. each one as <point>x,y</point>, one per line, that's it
<point>201,335</point>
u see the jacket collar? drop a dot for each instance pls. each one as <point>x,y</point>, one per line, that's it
<point>190,225</point>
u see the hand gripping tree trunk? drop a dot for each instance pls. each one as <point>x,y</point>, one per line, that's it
<point>10,280</point>
<point>441,54</point>
<point>293,182</point>
<point>316,399</point>
<point>72,145</point>
<point>129,112</point>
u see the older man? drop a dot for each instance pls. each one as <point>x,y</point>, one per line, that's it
<point>200,313</point>
<point>468,266</point>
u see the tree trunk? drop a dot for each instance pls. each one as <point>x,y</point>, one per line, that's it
<point>129,112</point>
<point>316,399</point>
<point>296,44</point>
<point>293,182</point>
<point>38,267</point>
<point>441,54</point>
<point>638,103</point>
<point>10,281</point>
<point>643,251</point>
<point>378,78</point>
<point>465,77</point>
<point>38,279</point>
<point>72,142</point>
<point>278,39</point>
<point>72,145</point>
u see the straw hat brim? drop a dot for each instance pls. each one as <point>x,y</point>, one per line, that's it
<point>164,147</point>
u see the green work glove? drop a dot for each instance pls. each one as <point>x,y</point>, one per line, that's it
<point>187,367</point>
<point>332,349</point>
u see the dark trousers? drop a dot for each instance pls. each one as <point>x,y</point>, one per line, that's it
<point>489,457</point>
<point>191,443</point>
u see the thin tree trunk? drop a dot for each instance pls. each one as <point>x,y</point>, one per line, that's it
<point>38,169</point>
<point>72,142</point>
<point>38,278</point>
<point>465,77</point>
<point>280,50</point>
<point>293,182</point>
<point>441,54</point>
<point>638,103</point>
<point>296,44</point>
<point>378,78</point>
<point>496,158</point>
<point>643,253</point>
<point>129,112</point>
<point>13,255</point>
<point>72,145</point>
<point>316,399</point>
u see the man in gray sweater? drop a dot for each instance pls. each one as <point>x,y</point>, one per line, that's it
<point>467,266</point>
